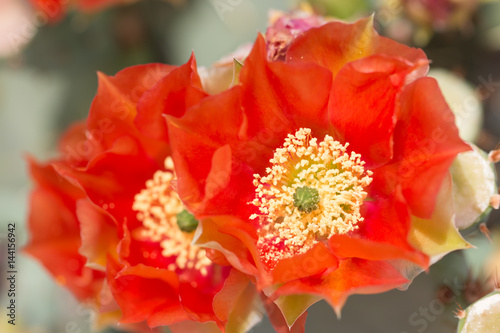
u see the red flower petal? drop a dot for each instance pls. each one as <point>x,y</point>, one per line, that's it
<point>145,293</point>
<point>108,183</point>
<point>114,108</point>
<point>194,290</point>
<point>353,276</point>
<point>201,140</point>
<point>315,261</point>
<point>234,238</point>
<point>426,143</point>
<point>278,98</point>
<point>335,44</point>
<point>392,48</point>
<point>46,177</point>
<point>98,233</point>
<point>198,302</point>
<point>55,241</point>
<point>175,93</point>
<point>133,251</point>
<point>73,145</point>
<point>362,107</point>
<point>383,234</point>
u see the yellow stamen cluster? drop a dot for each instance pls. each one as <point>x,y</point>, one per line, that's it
<point>326,169</point>
<point>157,206</point>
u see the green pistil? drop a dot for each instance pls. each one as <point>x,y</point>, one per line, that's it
<point>186,221</point>
<point>306,199</point>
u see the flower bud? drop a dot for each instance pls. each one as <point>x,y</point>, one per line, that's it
<point>482,316</point>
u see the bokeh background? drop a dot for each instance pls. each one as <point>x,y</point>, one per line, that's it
<point>48,79</point>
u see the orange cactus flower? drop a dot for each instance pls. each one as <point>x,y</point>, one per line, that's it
<point>105,219</point>
<point>323,172</point>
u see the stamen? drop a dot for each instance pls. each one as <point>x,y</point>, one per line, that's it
<point>311,191</point>
<point>167,222</point>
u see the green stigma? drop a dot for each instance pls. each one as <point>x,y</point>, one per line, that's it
<point>186,221</point>
<point>306,199</point>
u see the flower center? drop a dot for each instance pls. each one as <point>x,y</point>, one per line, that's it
<point>166,221</point>
<point>186,221</point>
<point>306,199</point>
<point>311,191</point>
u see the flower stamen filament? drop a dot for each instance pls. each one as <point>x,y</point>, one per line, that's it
<point>167,222</point>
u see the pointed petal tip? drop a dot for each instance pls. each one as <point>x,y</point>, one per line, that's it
<point>101,76</point>
<point>192,59</point>
<point>337,306</point>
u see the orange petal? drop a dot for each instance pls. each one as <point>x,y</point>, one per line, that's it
<point>363,105</point>
<point>232,237</point>
<point>313,262</point>
<point>145,293</point>
<point>382,235</point>
<point>114,108</point>
<point>278,98</point>
<point>334,44</point>
<point>173,95</point>
<point>353,276</point>
<point>426,142</point>
<point>55,241</point>
<point>98,234</point>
